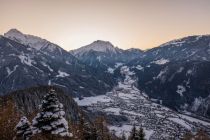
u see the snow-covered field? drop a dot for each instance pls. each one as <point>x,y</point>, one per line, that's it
<point>87,101</point>
<point>159,122</point>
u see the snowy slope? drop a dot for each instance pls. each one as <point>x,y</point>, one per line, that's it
<point>23,66</point>
<point>37,43</point>
<point>30,40</point>
<point>178,73</point>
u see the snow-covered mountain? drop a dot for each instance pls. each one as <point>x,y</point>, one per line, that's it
<point>177,73</point>
<point>39,44</point>
<point>136,85</point>
<point>23,66</point>
<point>105,56</point>
<point>30,40</point>
<point>97,46</point>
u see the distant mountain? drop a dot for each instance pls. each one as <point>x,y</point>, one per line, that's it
<point>104,56</point>
<point>97,46</point>
<point>23,66</point>
<point>39,44</point>
<point>177,73</point>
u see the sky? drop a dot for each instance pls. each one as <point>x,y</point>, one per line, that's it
<point>126,24</point>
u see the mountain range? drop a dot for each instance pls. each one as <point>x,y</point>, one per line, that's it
<point>175,74</point>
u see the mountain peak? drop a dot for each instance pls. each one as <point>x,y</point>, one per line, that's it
<point>102,42</point>
<point>97,46</point>
<point>13,31</point>
<point>30,40</point>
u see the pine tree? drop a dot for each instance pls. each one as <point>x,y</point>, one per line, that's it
<point>94,135</point>
<point>84,128</point>
<point>133,134</point>
<point>141,134</point>
<point>23,128</point>
<point>102,130</point>
<point>51,118</point>
<point>123,136</point>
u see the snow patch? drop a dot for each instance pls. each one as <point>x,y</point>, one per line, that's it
<point>139,67</point>
<point>180,90</point>
<point>62,74</point>
<point>25,60</point>
<point>161,61</point>
<point>92,100</point>
<point>110,70</point>
<point>117,65</point>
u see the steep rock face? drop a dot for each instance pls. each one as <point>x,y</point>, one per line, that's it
<point>177,73</point>
<point>24,66</point>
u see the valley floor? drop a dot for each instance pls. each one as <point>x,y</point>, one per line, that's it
<point>126,100</point>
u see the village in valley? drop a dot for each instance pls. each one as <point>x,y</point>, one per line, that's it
<point>128,106</point>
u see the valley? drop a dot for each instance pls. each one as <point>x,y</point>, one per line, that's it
<point>158,121</point>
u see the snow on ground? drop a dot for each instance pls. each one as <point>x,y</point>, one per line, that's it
<point>127,96</point>
<point>98,58</point>
<point>148,133</point>
<point>189,72</point>
<point>44,64</point>
<point>160,75</point>
<point>161,61</point>
<point>92,100</point>
<point>159,122</point>
<point>181,122</point>
<point>139,67</point>
<point>25,60</point>
<point>121,129</point>
<point>117,65</point>
<point>11,71</point>
<point>116,111</point>
<point>192,119</point>
<point>126,129</point>
<point>180,90</point>
<point>196,103</point>
<point>132,113</point>
<point>110,70</point>
<point>62,74</point>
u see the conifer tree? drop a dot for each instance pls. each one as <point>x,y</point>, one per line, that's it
<point>84,128</point>
<point>94,135</point>
<point>133,134</point>
<point>51,118</point>
<point>123,136</point>
<point>141,134</point>
<point>23,128</point>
